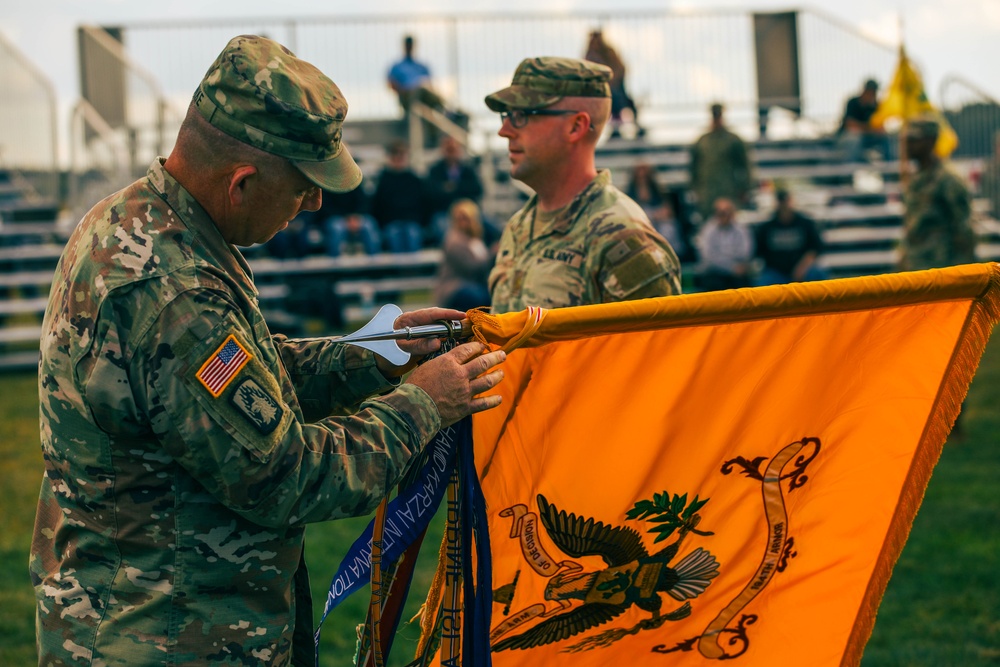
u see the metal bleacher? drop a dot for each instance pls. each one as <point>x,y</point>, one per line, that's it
<point>861,228</point>
<point>136,88</point>
<point>30,244</point>
<point>858,206</point>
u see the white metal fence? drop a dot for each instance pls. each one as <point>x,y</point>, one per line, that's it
<point>678,62</point>
<point>974,114</point>
<point>28,124</point>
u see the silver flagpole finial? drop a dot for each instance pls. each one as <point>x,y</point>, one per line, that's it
<point>380,337</point>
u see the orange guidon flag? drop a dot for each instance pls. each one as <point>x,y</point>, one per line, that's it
<point>718,476</point>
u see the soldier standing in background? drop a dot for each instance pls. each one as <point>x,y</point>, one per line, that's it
<point>937,225</point>
<point>578,240</point>
<point>989,181</point>
<point>185,446</point>
<point>719,166</point>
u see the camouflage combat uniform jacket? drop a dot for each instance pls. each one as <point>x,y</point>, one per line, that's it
<point>937,227</point>
<point>186,447</point>
<point>598,248</point>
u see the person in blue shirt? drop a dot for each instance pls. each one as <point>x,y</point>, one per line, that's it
<point>411,80</point>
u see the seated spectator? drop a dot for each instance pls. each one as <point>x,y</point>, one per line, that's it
<point>726,250</point>
<point>313,232</point>
<point>647,193</point>
<point>354,235</point>
<point>449,179</point>
<point>411,80</point>
<point>857,134</point>
<point>350,229</point>
<point>298,239</point>
<point>789,245</point>
<point>398,204</point>
<point>467,261</point>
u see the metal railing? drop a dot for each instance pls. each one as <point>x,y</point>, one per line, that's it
<point>419,115</point>
<point>116,150</point>
<point>29,137</point>
<point>678,62</point>
<point>974,115</point>
<point>837,58</point>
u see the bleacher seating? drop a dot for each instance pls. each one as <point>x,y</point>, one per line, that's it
<point>860,225</point>
<point>30,243</point>
<point>340,290</point>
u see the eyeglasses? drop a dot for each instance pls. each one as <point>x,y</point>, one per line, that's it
<point>519,117</point>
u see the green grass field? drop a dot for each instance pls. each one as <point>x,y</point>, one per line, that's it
<point>942,606</point>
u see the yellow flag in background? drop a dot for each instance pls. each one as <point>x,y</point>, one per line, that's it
<point>907,99</point>
<point>727,475</point>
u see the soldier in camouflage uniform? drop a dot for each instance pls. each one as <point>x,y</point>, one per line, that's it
<point>989,180</point>
<point>578,240</point>
<point>719,166</point>
<point>937,226</point>
<point>185,446</point>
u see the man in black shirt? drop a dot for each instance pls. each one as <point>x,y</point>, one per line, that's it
<point>399,203</point>
<point>857,135</point>
<point>449,179</point>
<point>789,244</point>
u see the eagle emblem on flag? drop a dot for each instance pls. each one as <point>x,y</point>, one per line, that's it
<point>633,575</point>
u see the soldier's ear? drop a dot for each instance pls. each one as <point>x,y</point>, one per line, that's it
<point>581,125</point>
<point>241,178</point>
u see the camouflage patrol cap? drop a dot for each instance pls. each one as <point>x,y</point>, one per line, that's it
<point>923,127</point>
<point>541,82</point>
<point>258,92</point>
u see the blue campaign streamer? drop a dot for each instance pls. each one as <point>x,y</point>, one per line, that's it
<point>406,518</point>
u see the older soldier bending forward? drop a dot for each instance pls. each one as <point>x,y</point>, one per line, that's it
<point>185,446</point>
<point>579,240</point>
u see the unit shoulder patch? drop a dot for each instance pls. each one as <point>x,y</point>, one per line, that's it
<point>257,405</point>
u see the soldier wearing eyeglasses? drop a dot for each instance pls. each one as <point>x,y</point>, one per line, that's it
<point>579,239</point>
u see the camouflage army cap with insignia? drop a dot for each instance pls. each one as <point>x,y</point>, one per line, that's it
<point>258,92</point>
<point>541,82</point>
<point>923,127</point>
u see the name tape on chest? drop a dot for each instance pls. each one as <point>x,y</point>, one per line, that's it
<point>570,257</point>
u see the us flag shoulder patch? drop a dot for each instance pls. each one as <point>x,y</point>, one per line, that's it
<point>220,368</point>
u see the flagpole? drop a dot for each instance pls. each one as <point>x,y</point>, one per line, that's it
<point>904,158</point>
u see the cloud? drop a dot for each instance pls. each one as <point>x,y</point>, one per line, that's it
<point>883,28</point>
<point>957,21</point>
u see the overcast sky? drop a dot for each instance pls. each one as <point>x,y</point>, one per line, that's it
<point>943,37</point>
